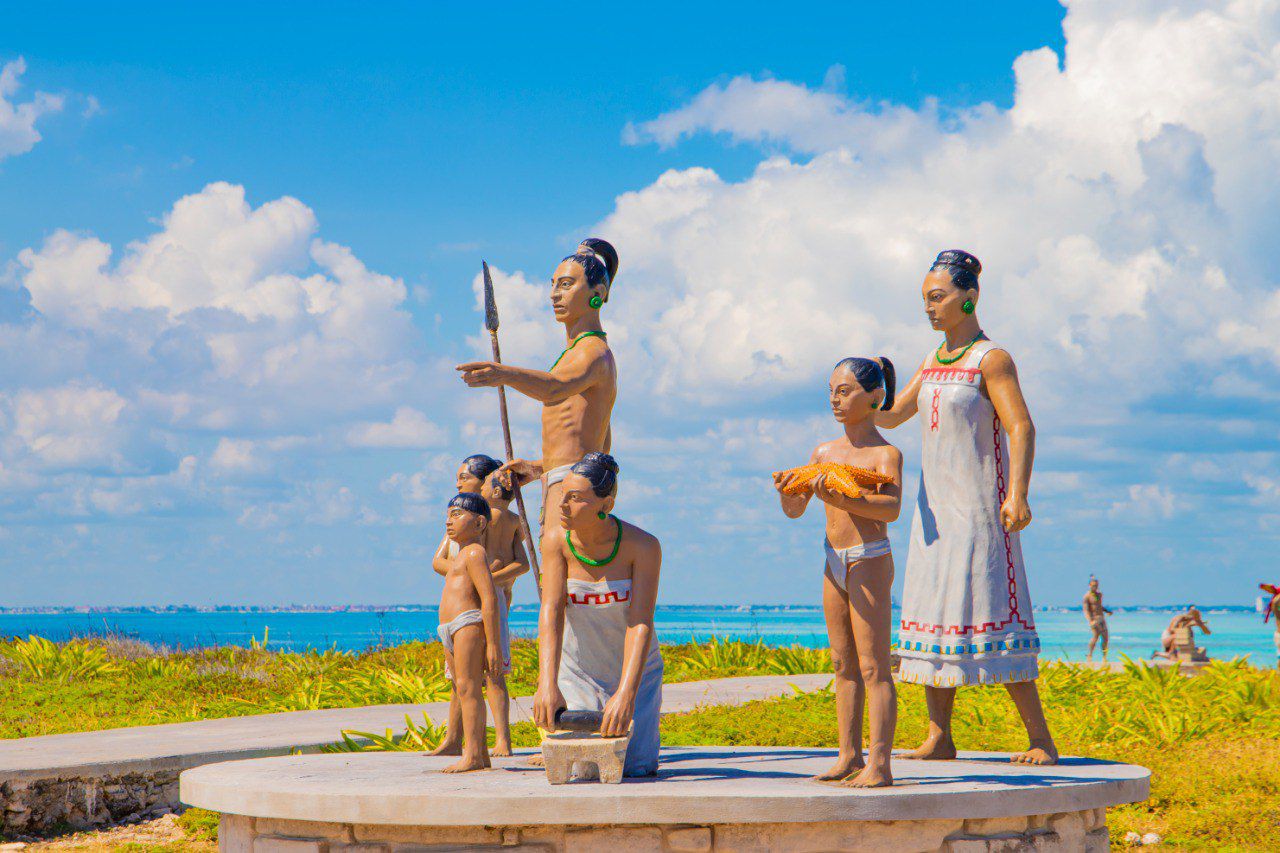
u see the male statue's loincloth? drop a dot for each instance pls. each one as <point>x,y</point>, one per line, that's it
<point>550,479</point>
<point>446,630</point>
<point>838,559</point>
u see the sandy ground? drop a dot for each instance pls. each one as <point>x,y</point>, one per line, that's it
<point>161,833</point>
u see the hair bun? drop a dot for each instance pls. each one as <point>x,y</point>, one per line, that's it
<point>959,258</point>
<point>605,251</point>
<point>604,460</point>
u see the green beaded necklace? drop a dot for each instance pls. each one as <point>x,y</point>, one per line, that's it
<point>568,538</point>
<point>573,344</point>
<point>958,355</point>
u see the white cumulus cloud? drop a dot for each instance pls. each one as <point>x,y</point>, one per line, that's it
<point>18,133</point>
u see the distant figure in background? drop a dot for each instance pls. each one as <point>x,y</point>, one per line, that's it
<point>1189,620</point>
<point>1097,616</point>
<point>1273,609</point>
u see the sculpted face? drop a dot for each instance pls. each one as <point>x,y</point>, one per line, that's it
<point>493,492</point>
<point>468,482</point>
<point>1093,586</point>
<point>850,402</point>
<point>942,300</point>
<point>580,505</point>
<point>463,526</point>
<point>570,293</point>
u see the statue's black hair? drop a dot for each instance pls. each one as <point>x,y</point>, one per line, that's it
<point>602,470</point>
<point>597,272</point>
<point>604,249</point>
<point>873,373</point>
<point>963,268</point>
<point>480,465</point>
<point>499,489</point>
<point>471,502</point>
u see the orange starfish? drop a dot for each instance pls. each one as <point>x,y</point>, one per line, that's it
<point>849,480</point>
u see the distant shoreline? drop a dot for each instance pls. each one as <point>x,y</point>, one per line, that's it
<point>430,608</point>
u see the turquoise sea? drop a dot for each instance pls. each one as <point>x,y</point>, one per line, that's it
<point>1237,631</point>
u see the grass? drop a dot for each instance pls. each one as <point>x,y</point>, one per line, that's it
<point>1212,742</point>
<point>101,683</point>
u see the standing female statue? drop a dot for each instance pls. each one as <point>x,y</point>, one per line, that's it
<point>966,611</point>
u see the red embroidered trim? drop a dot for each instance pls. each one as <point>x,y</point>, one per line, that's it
<point>942,374</point>
<point>933,414</point>
<point>613,596</point>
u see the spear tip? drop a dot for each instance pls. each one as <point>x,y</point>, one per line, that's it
<point>490,303</point>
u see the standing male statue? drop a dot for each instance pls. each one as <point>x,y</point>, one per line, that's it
<point>577,391</point>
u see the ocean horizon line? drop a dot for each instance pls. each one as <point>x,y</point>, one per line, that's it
<point>526,606</point>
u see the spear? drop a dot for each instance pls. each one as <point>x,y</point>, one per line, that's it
<point>491,323</point>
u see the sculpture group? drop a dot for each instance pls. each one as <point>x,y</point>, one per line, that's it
<point>966,612</point>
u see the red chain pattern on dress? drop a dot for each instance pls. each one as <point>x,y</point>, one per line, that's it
<point>933,414</point>
<point>1008,544</point>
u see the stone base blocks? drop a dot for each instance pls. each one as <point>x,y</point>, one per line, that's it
<point>704,799</point>
<point>568,756</point>
<point>1070,831</point>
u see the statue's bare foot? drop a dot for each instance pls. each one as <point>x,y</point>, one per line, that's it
<point>936,747</point>
<point>467,764</point>
<point>845,766</point>
<point>501,750</point>
<point>873,776</point>
<point>535,760</point>
<point>1040,752</point>
<point>447,747</point>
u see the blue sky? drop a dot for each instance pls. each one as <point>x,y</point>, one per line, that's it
<point>238,248</point>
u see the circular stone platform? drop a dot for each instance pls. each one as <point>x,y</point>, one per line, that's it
<point>704,798</point>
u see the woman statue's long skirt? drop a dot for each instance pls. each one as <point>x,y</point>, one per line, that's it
<point>966,611</point>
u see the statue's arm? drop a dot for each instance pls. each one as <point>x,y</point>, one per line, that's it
<point>519,560</point>
<point>555,590</point>
<point>477,565</point>
<point>904,405</point>
<point>620,709</point>
<point>440,562</point>
<point>1001,377</point>
<point>884,504</point>
<point>793,506</point>
<point>579,369</point>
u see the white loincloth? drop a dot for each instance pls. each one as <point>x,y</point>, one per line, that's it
<point>838,560</point>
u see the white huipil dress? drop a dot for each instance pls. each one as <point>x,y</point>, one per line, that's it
<point>966,612</point>
<point>595,632</point>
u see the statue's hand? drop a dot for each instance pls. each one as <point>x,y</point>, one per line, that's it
<point>618,712</point>
<point>482,374</point>
<point>823,492</point>
<point>522,470</point>
<point>783,481</point>
<point>1015,513</point>
<point>546,702</point>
